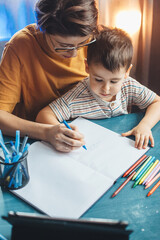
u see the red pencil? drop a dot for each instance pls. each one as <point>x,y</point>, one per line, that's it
<point>153,189</point>
<point>123,184</point>
<point>134,165</point>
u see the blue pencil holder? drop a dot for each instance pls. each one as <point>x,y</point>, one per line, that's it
<point>14,175</point>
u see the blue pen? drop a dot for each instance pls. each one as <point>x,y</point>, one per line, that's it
<point>138,176</point>
<point>67,125</point>
<point>23,168</point>
<point>19,177</point>
<point>16,175</point>
<point>17,157</point>
<point>7,158</point>
<point>2,140</point>
<point>26,148</point>
<point>24,143</point>
<point>5,150</point>
<point>13,148</point>
<point>1,136</point>
<point>6,167</point>
<point>17,142</point>
<point>12,179</point>
<point>2,237</point>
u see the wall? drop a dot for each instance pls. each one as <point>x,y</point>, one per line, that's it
<point>14,15</point>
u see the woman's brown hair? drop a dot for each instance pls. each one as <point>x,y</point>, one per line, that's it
<point>67,17</point>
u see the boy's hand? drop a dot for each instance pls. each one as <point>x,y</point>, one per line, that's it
<point>142,135</point>
<point>64,139</point>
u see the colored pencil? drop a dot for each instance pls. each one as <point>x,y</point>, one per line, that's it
<point>123,184</point>
<point>144,168</point>
<point>138,166</point>
<point>134,165</point>
<point>152,181</point>
<point>139,179</point>
<point>152,174</point>
<point>144,164</point>
<point>149,171</point>
<point>153,189</point>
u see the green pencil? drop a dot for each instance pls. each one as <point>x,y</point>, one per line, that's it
<point>144,164</point>
<point>139,179</point>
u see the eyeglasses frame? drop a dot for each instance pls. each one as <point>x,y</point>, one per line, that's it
<point>70,49</point>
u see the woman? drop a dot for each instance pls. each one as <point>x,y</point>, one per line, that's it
<point>40,63</point>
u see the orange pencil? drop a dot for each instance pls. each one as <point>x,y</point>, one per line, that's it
<point>134,165</point>
<point>152,181</point>
<point>153,189</point>
<point>123,184</point>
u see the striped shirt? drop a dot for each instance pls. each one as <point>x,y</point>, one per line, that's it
<point>82,101</point>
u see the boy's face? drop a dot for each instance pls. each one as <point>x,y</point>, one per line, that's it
<point>104,83</point>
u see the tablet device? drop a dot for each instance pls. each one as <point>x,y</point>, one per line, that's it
<point>41,227</point>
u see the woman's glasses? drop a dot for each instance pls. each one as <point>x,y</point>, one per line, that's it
<point>70,49</point>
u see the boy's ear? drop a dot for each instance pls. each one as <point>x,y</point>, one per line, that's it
<point>86,66</point>
<point>128,71</point>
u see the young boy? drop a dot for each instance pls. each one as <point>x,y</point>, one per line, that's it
<point>108,91</point>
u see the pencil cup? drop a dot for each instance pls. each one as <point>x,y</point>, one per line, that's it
<point>13,169</point>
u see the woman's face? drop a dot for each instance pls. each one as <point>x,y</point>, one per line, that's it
<point>66,47</point>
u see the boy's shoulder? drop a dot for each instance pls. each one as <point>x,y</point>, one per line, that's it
<point>130,81</point>
<point>132,87</point>
<point>130,84</point>
<point>79,90</point>
<point>83,84</point>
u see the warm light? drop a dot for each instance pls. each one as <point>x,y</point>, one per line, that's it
<point>130,21</point>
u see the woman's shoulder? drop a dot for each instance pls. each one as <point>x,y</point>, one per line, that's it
<point>24,37</point>
<point>25,42</point>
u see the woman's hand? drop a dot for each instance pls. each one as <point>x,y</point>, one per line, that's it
<point>142,135</point>
<point>64,139</point>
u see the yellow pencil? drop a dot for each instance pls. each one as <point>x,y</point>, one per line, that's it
<point>150,170</point>
<point>140,178</point>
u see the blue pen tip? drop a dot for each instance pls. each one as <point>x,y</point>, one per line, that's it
<point>84,147</point>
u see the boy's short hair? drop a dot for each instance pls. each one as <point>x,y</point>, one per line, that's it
<point>113,49</point>
<point>67,17</point>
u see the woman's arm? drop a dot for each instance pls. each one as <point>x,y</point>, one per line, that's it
<point>142,131</point>
<point>62,138</point>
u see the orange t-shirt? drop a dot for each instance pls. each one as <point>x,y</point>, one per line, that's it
<point>31,75</point>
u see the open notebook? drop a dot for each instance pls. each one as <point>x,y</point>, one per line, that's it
<point>67,184</point>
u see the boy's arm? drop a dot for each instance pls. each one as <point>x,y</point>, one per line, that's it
<point>46,115</point>
<point>142,131</point>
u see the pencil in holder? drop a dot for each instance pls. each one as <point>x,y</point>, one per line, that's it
<point>13,171</point>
